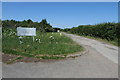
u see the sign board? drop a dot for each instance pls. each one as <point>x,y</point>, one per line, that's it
<point>58,30</point>
<point>22,31</point>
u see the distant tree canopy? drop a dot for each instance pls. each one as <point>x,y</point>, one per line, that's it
<point>56,29</point>
<point>67,29</point>
<point>43,26</point>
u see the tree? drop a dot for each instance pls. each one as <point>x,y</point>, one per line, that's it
<point>45,27</point>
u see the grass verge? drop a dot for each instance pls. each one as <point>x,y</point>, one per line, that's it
<point>45,45</point>
<point>114,42</point>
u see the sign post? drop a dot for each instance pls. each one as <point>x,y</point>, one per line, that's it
<point>33,38</point>
<point>22,31</point>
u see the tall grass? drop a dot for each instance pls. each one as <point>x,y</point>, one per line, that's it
<point>49,44</point>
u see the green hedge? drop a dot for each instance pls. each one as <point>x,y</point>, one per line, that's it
<point>109,31</point>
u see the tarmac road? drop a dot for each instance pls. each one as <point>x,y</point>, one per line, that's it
<point>101,61</point>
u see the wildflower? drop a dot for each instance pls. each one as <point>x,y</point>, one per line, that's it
<point>20,37</point>
<point>53,38</point>
<point>50,36</point>
<point>39,40</point>
<point>15,34</point>
<point>56,42</point>
<point>36,39</point>
<point>10,33</point>
<point>60,34</point>
<point>21,42</point>
<point>28,45</point>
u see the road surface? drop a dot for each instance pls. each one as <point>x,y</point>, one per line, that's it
<point>101,61</point>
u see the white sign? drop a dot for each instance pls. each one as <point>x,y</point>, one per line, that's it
<point>21,31</point>
<point>58,30</point>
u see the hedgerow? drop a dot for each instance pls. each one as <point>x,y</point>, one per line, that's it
<point>108,31</point>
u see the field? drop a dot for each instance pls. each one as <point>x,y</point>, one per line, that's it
<point>49,45</point>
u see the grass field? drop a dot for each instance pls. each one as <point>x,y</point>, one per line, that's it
<point>46,45</point>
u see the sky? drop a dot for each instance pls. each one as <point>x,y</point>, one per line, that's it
<point>62,14</point>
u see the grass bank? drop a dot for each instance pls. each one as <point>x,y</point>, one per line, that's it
<point>45,46</point>
<point>114,42</point>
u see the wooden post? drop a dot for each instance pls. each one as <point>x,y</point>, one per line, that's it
<point>33,38</point>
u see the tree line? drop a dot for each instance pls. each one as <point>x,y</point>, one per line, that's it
<point>43,26</point>
<point>108,31</point>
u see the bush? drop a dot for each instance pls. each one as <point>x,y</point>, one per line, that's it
<point>108,31</point>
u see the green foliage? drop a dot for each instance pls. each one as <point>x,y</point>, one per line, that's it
<point>55,29</point>
<point>43,26</point>
<point>50,44</point>
<point>67,29</point>
<point>108,31</point>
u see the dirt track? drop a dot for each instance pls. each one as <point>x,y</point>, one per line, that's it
<point>101,61</point>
